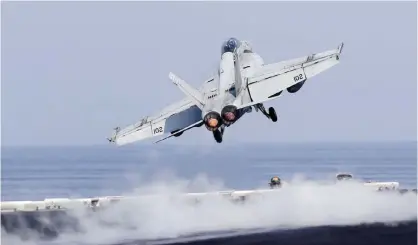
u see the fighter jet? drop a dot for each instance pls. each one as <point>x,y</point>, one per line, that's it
<point>241,83</point>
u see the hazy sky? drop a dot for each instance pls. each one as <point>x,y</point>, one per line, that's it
<point>71,71</point>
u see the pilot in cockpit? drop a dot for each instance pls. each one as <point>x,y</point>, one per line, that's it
<point>230,46</point>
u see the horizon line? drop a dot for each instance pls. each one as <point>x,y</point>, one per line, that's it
<point>193,143</point>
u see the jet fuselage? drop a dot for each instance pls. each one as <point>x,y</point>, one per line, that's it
<point>236,62</point>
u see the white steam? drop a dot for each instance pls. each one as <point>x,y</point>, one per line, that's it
<point>298,204</point>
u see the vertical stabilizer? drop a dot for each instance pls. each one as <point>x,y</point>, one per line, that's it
<point>238,78</point>
<point>194,94</point>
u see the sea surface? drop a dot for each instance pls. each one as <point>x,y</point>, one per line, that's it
<point>36,173</point>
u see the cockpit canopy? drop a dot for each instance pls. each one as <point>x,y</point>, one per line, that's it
<point>230,45</point>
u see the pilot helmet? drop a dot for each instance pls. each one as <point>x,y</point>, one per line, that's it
<point>275,181</point>
<point>344,176</point>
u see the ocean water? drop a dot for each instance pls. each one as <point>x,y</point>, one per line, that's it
<point>36,173</point>
<point>30,173</point>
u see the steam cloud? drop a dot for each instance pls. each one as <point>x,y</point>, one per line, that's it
<point>299,204</point>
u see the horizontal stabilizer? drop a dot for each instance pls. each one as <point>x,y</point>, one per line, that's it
<point>194,94</point>
<point>180,131</point>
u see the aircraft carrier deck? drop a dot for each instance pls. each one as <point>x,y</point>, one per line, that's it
<point>53,216</point>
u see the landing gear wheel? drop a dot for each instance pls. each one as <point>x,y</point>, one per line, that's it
<point>272,114</point>
<point>218,136</point>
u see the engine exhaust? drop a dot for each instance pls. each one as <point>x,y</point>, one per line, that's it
<point>212,121</point>
<point>229,114</point>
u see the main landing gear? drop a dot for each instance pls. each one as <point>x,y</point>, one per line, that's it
<point>218,134</point>
<point>271,114</point>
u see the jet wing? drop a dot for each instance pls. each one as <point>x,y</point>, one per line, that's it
<point>268,81</point>
<point>196,124</point>
<point>174,117</point>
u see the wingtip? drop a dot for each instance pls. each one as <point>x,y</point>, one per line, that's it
<point>111,141</point>
<point>172,77</point>
<point>340,47</point>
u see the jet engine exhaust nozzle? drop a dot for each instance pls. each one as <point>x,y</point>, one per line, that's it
<point>212,121</point>
<point>229,114</point>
